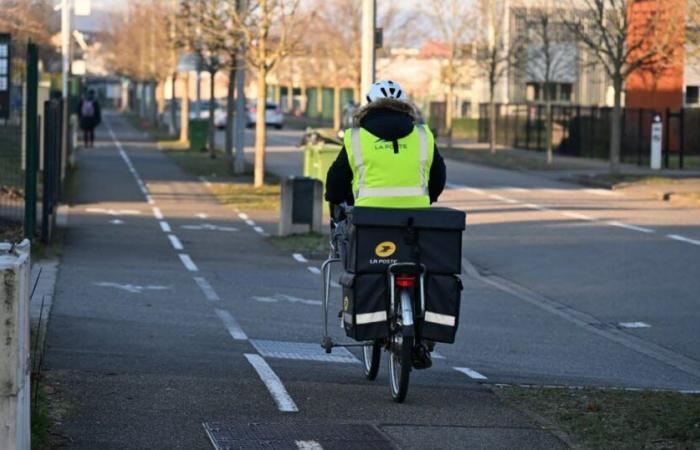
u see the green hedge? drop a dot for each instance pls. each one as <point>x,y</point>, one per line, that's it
<point>465,128</point>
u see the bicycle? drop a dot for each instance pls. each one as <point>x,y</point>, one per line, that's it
<point>404,316</point>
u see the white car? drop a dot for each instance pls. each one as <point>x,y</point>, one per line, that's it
<point>273,115</point>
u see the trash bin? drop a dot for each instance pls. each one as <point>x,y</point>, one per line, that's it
<point>199,134</point>
<point>301,199</point>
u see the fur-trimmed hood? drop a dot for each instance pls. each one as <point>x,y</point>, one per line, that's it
<point>389,104</point>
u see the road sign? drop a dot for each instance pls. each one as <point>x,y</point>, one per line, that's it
<point>5,75</point>
<point>656,139</point>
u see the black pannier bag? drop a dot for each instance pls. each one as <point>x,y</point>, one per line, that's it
<point>365,306</point>
<point>378,237</point>
<point>443,295</point>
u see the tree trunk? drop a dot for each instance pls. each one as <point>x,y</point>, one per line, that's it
<point>336,107</point>
<point>290,98</point>
<point>548,130</point>
<point>229,114</point>
<point>616,127</point>
<point>492,119</point>
<point>260,136</point>
<point>449,114</point>
<point>142,101</point>
<point>173,105</point>
<point>357,93</point>
<point>185,110</point>
<point>154,103</point>
<point>212,128</point>
<point>319,102</point>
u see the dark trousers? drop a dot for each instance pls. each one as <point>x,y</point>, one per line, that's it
<point>89,137</point>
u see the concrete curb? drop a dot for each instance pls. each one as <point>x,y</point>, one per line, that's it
<point>43,279</point>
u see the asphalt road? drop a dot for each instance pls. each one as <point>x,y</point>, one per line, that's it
<point>176,324</point>
<point>567,285</point>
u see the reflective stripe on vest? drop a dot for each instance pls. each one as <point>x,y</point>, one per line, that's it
<point>362,191</point>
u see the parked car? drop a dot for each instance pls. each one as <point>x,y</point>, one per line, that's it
<point>220,117</point>
<point>273,115</point>
<point>203,109</point>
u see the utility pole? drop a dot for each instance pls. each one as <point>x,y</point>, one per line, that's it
<point>66,12</point>
<point>240,119</point>
<point>369,22</point>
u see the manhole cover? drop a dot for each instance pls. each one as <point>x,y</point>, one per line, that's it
<point>301,350</point>
<point>294,436</point>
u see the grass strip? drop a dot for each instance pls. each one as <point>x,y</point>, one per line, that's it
<point>505,159</point>
<point>311,245</point>
<point>607,418</point>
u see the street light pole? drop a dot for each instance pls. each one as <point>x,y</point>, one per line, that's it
<point>66,11</point>
<point>369,20</point>
<point>240,116</point>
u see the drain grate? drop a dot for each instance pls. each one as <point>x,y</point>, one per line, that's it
<point>224,436</point>
<point>303,351</point>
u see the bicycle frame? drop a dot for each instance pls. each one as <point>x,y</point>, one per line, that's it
<point>408,315</point>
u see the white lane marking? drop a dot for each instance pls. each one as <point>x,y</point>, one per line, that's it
<point>678,237</point>
<point>150,200</point>
<point>258,229</point>
<point>187,261</point>
<point>231,325</point>
<point>578,216</point>
<point>207,290</point>
<point>515,189</point>
<point>157,214</point>
<point>473,374</point>
<point>628,226</point>
<point>273,383</point>
<point>634,325</point>
<point>132,288</point>
<point>308,445</point>
<point>465,188</point>
<point>209,227</point>
<point>250,222</point>
<point>602,192</point>
<point>177,245</point>
<point>537,207</point>
<point>314,270</point>
<point>498,197</point>
<point>299,257</point>
<point>243,216</point>
<point>202,215</point>
<point>165,226</point>
<point>116,222</point>
<point>287,298</point>
<point>114,212</point>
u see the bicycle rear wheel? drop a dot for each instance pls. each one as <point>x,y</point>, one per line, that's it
<point>400,365</point>
<point>370,359</point>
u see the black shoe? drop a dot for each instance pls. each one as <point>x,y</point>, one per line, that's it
<point>421,357</point>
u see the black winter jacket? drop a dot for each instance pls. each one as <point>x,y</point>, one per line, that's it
<point>389,125</point>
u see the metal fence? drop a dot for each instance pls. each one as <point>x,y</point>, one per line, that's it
<point>32,146</point>
<point>12,173</point>
<point>585,132</point>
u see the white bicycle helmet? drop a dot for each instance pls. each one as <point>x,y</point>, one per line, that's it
<point>385,89</point>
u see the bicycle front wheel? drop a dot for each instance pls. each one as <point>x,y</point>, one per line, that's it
<point>370,359</point>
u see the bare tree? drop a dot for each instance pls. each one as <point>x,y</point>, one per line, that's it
<point>693,30</point>
<point>496,52</point>
<point>27,19</point>
<point>453,21</point>
<point>269,33</point>
<point>626,36</point>
<point>549,57</point>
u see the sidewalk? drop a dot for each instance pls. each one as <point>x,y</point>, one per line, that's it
<point>173,316</point>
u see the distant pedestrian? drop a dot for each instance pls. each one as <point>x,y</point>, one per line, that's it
<point>90,117</point>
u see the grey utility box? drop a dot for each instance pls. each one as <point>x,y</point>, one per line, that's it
<point>301,205</point>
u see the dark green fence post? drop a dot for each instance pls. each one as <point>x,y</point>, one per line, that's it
<point>31,141</point>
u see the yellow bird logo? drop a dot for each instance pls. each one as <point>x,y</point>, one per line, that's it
<point>385,249</point>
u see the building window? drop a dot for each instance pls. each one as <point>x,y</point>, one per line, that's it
<point>558,92</point>
<point>692,94</point>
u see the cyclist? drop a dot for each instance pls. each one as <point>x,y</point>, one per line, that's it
<point>389,159</point>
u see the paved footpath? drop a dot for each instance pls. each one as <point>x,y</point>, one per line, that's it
<point>175,324</point>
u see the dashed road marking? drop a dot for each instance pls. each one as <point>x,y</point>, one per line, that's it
<point>314,270</point>
<point>201,215</point>
<point>473,374</point>
<point>273,383</point>
<point>243,216</point>
<point>207,289</point>
<point>287,298</point>
<point>634,325</point>
<point>259,229</point>
<point>165,226</point>
<point>250,222</point>
<point>308,445</point>
<point>177,245</point>
<point>116,222</point>
<point>157,213</point>
<point>299,257</point>
<point>678,237</point>
<point>187,261</point>
<point>516,189</point>
<point>231,325</point>
<point>628,226</point>
<point>578,216</point>
<point>537,207</point>
<point>602,192</point>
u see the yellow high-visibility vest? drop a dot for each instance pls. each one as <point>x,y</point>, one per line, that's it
<point>382,178</point>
